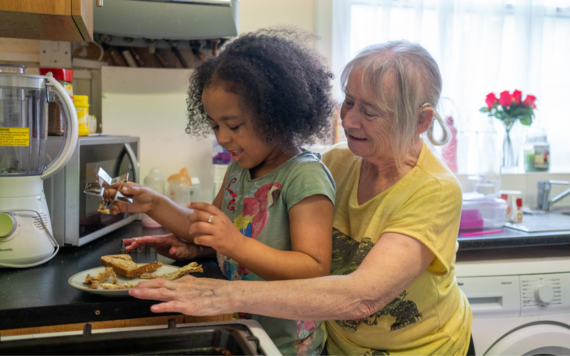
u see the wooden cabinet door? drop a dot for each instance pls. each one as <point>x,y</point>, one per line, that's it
<point>82,13</point>
<point>51,20</point>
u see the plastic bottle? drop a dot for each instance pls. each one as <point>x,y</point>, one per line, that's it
<point>536,151</point>
<point>82,107</point>
<point>195,189</point>
<point>220,159</point>
<point>179,187</point>
<point>489,160</point>
<point>154,181</point>
<point>449,151</point>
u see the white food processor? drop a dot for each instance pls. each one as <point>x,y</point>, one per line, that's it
<point>26,236</point>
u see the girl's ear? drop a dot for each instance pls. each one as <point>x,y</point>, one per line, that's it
<point>426,117</point>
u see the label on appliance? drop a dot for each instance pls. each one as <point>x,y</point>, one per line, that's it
<point>37,224</point>
<point>15,136</point>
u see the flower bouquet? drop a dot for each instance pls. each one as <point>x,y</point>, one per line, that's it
<point>510,108</point>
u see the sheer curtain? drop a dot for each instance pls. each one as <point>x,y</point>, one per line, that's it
<point>481,46</point>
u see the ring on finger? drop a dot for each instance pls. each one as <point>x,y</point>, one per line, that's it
<point>211,218</point>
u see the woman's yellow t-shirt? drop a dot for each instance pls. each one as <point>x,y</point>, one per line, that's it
<point>432,316</point>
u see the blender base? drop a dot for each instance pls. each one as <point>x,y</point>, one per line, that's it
<point>31,241</point>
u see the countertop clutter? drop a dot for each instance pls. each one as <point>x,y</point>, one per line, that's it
<point>41,296</point>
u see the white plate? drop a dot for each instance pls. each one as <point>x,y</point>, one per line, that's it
<point>76,281</point>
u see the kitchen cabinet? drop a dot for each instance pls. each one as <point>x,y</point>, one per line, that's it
<point>49,20</point>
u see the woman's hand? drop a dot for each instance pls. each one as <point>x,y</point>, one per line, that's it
<point>188,295</point>
<point>219,233</point>
<point>144,199</point>
<point>166,245</point>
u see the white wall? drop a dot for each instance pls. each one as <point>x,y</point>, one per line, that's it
<point>151,104</point>
<point>256,14</point>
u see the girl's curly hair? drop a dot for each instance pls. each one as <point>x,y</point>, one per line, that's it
<point>283,83</point>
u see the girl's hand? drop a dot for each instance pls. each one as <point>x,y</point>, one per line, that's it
<point>166,245</point>
<point>144,199</point>
<point>214,229</point>
<point>188,295</point>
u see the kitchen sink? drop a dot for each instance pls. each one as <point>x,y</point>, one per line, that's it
<point>544,222</point>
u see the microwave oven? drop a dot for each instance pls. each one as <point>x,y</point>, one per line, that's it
<point>74,216</point>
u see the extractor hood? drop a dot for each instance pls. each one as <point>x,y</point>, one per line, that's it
<point>167,19</point>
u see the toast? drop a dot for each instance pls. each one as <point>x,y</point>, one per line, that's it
<point>127,285</point>
<point>191,268</point>
<point>124,265</point>
<point>94,282</point>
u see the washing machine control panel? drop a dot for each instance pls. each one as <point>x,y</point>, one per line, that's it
<point>545,293</point>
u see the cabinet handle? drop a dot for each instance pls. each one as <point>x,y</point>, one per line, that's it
<point>99,3</point>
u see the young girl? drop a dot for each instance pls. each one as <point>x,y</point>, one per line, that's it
<point>263,97</point>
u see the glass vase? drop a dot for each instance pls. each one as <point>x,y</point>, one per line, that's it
<point>509,160</point>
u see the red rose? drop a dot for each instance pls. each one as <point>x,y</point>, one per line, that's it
<point>529,100</point>
<point>506,99</point>
<point>491,100</point>
<point>517,95</point>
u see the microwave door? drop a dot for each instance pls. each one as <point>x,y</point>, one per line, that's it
<point>113,158</point>
<point>126,163</point>
<point>130,166</point>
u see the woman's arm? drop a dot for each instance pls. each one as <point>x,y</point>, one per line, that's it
<point>310,225</point>
<point>392,265</point>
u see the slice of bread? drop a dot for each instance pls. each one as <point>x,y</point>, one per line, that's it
<point>124,265</point>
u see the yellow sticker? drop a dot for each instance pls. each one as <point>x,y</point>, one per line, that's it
<point>14,136</point>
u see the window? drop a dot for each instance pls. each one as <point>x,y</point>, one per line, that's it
<point>481,46</point>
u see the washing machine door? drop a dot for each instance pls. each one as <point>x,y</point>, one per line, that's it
<point>543,338</point>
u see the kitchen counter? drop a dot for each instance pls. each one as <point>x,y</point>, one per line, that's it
<point>511,238</point>
<point>41,296</point>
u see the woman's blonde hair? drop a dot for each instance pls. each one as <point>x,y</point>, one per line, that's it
<point>415,84</point>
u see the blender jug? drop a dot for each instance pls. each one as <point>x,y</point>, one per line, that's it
<point>26,238</point>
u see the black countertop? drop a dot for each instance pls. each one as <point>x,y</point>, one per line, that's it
<point>41,296</point>
<point>511,238</point>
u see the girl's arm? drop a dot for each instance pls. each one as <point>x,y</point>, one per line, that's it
<point>392,265</point>
<point>163,210</point>
<point>310,224</point>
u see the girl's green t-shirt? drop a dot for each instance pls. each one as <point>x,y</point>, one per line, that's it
<point>259,209</point>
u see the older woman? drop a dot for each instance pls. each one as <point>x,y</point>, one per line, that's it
<point>393,288</point>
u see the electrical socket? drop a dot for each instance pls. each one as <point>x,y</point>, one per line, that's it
<point>55,54</point>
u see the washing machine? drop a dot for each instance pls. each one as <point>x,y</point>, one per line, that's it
<point>520,301</point>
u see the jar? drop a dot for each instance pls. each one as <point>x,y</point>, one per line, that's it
<point>55,116</point>
<point>82,107</point>
<point>536,152</point>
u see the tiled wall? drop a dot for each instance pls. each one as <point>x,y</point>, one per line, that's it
<point>527,184</point>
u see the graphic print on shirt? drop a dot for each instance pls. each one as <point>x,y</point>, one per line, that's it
<point>251,221</point>
<point>347,255</point>
<point>305,334</point>
<point>255,213</point>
